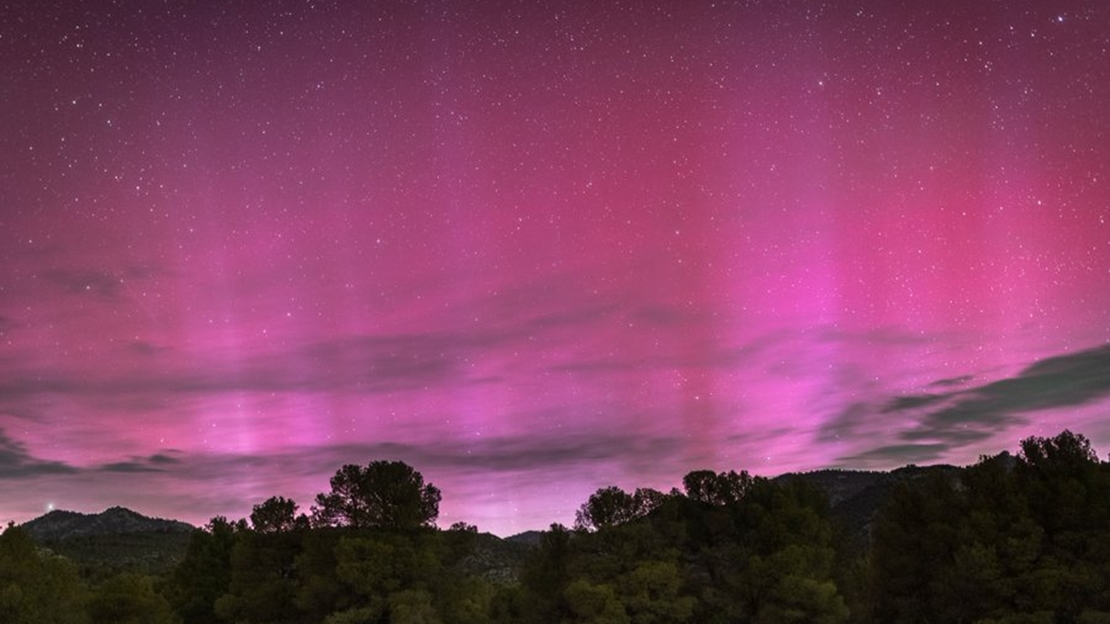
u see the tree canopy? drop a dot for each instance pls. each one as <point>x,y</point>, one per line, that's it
<point>610,506</point>
<point>275,515</point>
<point>1013,538</point>
<point>712,488</point>
<point>383,494</point>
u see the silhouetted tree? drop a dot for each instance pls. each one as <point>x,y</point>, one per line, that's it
<point>1065,453</point>
<point>545,577</point>
<point>915,540</point>
<point>652,592</point>
<point>606,507</point>
<point>595,603</point>
<point>723,489</point>
<point>384,494</point>
<point>130,599</point>
<point>277,514</point>
<point>37,587</point>
<point>611,506</point>
<point>205,573</point>
<point>263,578</point>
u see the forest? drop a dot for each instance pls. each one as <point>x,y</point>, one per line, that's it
<point>1022,538</point>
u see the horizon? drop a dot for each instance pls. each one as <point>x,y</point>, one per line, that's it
<point>436,525</point>
<point>536,250</point>
<point>439,526</point>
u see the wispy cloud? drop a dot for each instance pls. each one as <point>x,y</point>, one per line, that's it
<point>1061,381</point>
<point>17,463</point>
<point>159,462</point>
<point>898,454</point>
<point>949,382</point>
<point>947,421</point>
<point>476,456</point>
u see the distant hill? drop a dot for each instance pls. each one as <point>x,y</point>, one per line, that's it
<point>527,538</point>
<point>856,496</point>
<point>495,559</point>
<point>61,525</point>
<point>115,540</point>
<point>119,539</point>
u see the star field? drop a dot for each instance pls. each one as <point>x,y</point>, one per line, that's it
<point>535,249</point>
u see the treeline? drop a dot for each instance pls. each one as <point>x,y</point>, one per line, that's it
<point>1012,539</point>
<point>1021,539</point>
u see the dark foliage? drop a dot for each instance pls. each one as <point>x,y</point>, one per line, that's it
<point>112,542</point>
<point>384,494</point>
<point>1022,538</point>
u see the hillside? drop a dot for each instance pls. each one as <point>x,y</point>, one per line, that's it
<point>115,540</point>
<point>62,525</point>
<point>119,539</point>
<point>856,496</point>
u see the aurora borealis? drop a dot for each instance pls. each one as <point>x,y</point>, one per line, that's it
<point>534,249</point>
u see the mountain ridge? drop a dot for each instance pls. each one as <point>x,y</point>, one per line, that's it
<point>120,539</point>
<point>61,525</point>
<point>856,496</point>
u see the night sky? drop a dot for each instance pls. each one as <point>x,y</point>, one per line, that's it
<point>537,248</point>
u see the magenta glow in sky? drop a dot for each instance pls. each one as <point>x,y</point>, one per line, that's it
<point>534,249</point>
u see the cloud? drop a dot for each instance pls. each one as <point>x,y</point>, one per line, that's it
<point>517,453</point>
<point>509,455</point>
<point>360,364</point>
<point>669,316</point>
<point>141,347</point>
<point>129,466</point>
<point>951,381</point>
<point>887,336</point>
<point>85,281</point>
<point>948,421</point>
<point>570,318</point>
<point>159,462</point>
<point>913,401</point>
<point>847,423</point>
<point>1061,381</point>
<point>898,454</point>
<point>716,355</point>
<point>955,437</point>
<point>17,463</point>
<point>386,363</point>
<point>163,459</point>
